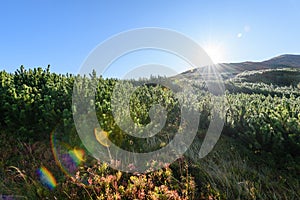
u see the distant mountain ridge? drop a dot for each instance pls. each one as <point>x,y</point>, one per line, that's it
<point>285,60</point>
<point>229,70</point>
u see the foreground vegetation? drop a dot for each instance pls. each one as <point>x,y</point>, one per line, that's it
<point>257,156</point>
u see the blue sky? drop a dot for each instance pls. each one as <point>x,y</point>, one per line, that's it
<point>63,33</point>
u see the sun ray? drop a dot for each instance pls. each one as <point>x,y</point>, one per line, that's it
<point>215,50</point>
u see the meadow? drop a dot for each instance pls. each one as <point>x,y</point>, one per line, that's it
<point>42,156</point>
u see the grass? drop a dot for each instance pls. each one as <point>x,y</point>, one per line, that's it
<point>233,172</point>
<point>230,171</point>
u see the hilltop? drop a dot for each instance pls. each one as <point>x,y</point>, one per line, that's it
<point>230,70</point>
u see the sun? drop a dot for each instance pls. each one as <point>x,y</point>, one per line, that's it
<point>216,51</point>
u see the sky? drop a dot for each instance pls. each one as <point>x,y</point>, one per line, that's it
<point>35,33</point>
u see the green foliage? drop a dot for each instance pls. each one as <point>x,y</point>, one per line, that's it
<point>274,82</point>
<point>34,101</point>
<point>279,77</point>
<point>263,117</point>
<point>265,123</point>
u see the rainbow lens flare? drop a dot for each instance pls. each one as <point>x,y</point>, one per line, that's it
<point>68,157</point>
<point>46,177</point>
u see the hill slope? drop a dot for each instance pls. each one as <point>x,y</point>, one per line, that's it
<point>229,70</point>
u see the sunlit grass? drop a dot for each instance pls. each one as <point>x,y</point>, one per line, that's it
<point>230,171</point>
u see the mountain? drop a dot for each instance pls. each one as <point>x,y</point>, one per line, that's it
<point>229,70</point>
<point>289,60</point>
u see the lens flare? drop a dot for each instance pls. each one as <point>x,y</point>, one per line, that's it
<point>77,155</point>
<point>216,50</point>
<point>101,137</point>
<point>46,177</point>
<point>66,156</point>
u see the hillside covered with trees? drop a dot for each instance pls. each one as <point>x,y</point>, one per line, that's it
<point>257,156</point>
